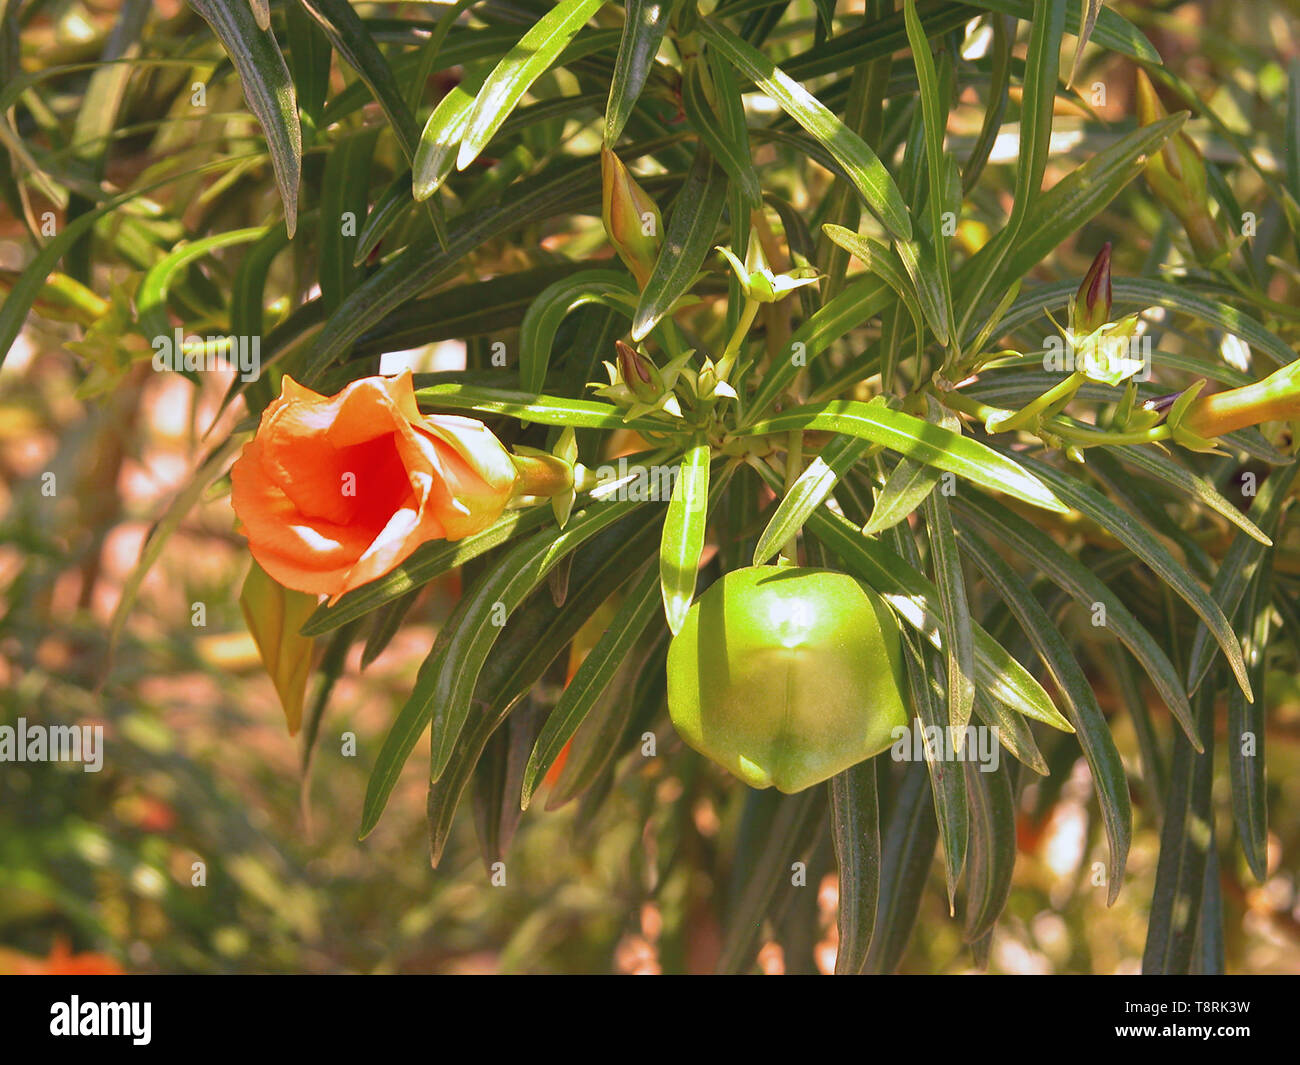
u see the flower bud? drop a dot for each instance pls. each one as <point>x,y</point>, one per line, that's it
<point>632,221</point>
<point>1276,398</point>
<point>1091,307</point>
<point>639,374</point>
<point>1177,176</point>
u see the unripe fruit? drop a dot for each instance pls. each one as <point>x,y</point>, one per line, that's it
<point>786,676</point>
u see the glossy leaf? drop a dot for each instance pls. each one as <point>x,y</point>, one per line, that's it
<point>527,61</point>
<point>855,832</point>
<point>860,164</point>
<point>808,493</point>
<point>643,29</point>
<point>919,440</point>
<point>683,538</point>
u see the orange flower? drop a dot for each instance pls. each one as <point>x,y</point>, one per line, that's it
<point>334,492</point>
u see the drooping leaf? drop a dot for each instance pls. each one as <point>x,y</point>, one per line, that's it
<point>919,440</point>
<point>1080,703</point>
<point>643,29</point>
<point>267,88</point>
<point>274,614</point>
<point>855,831</point>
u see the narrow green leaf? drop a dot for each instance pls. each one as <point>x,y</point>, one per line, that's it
<point>351,39</point>
<point>991,853</point>
<point>268,90</point>
<point>593,677</point>
<point>1013,733</point>
<point>345,190</point>
<point>919,440</point>
<point>934,112</point>
<point>1135,536</point>
<point>273,614</point>
<point>947,778</point>
<point>309,62</point>
<point>1172,473</point>
<point>906,854</point>
<point>1248,727</point>
<point>881,260</point>
<point>1239,564</point>
<point>905,489</point>
<point>1080,701</point>
<point>998,525</point>
<point>1087,22</point>
<point>860,164</point>
<point>959,646</point>
<point>435,155</point>
<point>389,208</point>
<point>683,539</point>
<point>151,296</point>
<point>808,493</point>
<point>548,410</point>
<point>644,24</point>
<point>527,61</point>
<point>721,124</point>
<point>1185,840</point>
<point>855,832</point>
<point>789,839</point>
<point>696,213</point>
<point>611,288</point>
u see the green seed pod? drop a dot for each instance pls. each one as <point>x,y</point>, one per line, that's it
<point>786,676</point>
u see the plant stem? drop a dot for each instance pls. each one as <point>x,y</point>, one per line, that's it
<point>738,335</point>
<point>793,467</point>
<point>1059,393</point>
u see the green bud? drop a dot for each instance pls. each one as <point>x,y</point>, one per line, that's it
<point>1177,176</point>
<point>639,374</point>
<point>632,221</point>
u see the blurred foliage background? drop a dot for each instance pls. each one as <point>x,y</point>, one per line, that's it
<point>201,782</point>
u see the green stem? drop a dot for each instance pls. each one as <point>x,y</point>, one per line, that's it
<point>1065,429</point>
<point>1060,393</point>
<point>1062,427</point>
<point>793,467</point>
<point>738,335</point>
